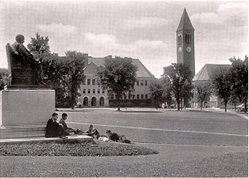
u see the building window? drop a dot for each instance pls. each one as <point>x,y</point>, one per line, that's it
<point>137,96</point>
<point>133,96</point>
<point>93,81</point>
<point>142,83</point>
<point>179,38</point>
<point>142,96</point>
<point>89,91</point>
<point>103,91</point>
<point>88,81</point>
<point>146,83</point>
<point>146,96</point>
<point>84,91</point>
<point>98,91</point>
<point>137,83</point>
<point>187,38</point>
<point>93,91</point>
<point>112,97</point>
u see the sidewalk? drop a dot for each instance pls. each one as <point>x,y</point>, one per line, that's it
<point>218,110</point>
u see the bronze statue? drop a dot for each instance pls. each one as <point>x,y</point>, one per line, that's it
<point>24,69</point>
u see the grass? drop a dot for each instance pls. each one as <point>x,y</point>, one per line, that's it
<point>92,148</point>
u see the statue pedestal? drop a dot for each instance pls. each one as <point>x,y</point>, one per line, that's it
<point>25,112</point>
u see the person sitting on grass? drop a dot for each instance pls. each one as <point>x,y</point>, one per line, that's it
<point>92,132</point>
<point>54,129</point>
<point>117,138</point>
<point>67,129</point>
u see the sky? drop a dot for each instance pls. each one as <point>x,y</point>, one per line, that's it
<point>145,30</point>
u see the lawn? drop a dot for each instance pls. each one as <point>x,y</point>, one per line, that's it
<point>189,143</point>
<point>74,148</point>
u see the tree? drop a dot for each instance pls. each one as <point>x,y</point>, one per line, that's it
<point>4,78</point>
<point>54,71</point>
<point>234,99</point>
<point>63,74</point>
<point>167,89</point>
<point>75,75</point>
<point>38,46</point>
<point>239,80</point>
<point>180,78</point>
<point>118,76</point>
<point>203,92</point>
<point>156,90</point>
<point>222,85</point>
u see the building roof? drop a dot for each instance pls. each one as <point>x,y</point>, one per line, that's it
<point>91,69</point>
<point>209,70</point>
<point>185,22</point>
<point>142,70</point>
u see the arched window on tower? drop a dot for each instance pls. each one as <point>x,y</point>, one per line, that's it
<point>187,38</point>
<point>179,38</point>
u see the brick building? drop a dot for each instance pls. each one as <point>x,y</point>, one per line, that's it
<point>92,94</point>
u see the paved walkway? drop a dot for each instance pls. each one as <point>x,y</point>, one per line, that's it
<point>159,129</point>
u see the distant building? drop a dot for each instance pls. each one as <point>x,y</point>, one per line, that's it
<point>205,75</point>
<point>92,94</point>
<point>185,42</point>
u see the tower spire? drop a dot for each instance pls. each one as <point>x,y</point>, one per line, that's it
<point>185,42</point>
<point>185,22</point>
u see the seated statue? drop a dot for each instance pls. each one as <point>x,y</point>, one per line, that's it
<point>24,69</point>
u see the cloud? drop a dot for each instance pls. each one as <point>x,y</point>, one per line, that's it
<point>152,45</point>
<point>57,27</point>
<point>232,6</point>
<point>102,41</point>
<point>106,44</point>
<point>208,17</point>
<point>225,13</point>
<point>143,22</point>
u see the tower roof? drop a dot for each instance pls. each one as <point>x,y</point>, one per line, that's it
<point>185,23</point>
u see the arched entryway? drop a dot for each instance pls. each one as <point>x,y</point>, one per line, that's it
<point>93,102</point>
<point>85,101</point>
<point>102,101</point>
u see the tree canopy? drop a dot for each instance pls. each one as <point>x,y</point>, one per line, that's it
<point>118,76</point>
<point>222,85</point>
<point>180,78</point>
<point>38,46</point>
<point>64,74</point>
<point>156,90</point>
<point>239,79</point>
<point>203,92</point>
<point>4,77</point>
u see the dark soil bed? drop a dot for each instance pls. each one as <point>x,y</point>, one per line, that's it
<point>93,148</point>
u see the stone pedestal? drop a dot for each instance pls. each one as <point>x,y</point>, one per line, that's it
<point>25,112</point>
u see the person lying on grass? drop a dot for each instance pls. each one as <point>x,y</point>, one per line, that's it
<point>92,132</point>
<point>67,129</point>
<point>117,138</point>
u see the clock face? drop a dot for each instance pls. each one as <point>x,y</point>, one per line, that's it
<point>180,49</point>
<point>188,49</point>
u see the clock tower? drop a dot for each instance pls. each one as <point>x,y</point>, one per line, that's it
<point>185,42</point>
